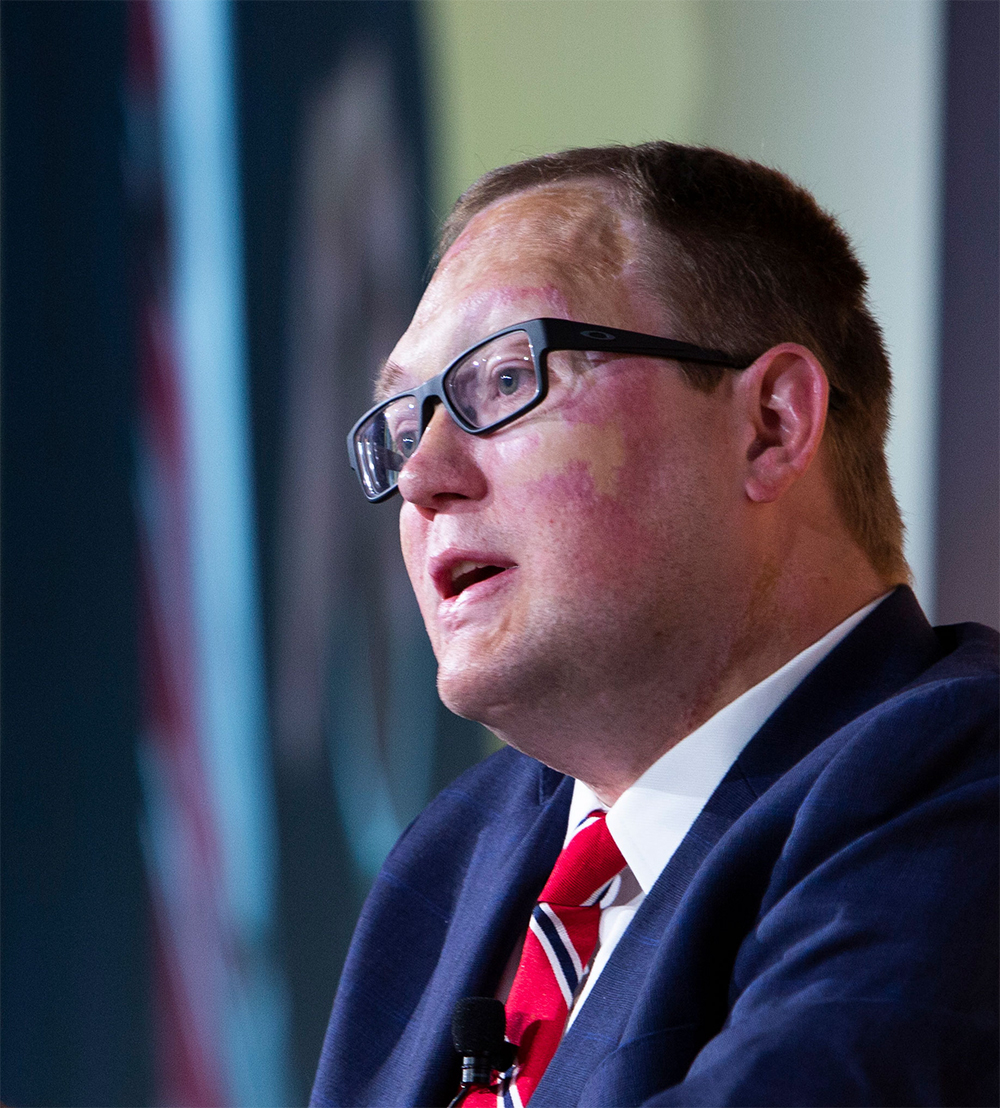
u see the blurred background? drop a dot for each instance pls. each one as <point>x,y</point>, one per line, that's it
<point>218,705</point>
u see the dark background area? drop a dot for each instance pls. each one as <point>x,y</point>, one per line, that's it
<point>74,954</point>
<point>77,1022</point>
<point>285,52</point>
<point>78,1019</point>
<point>968,502</point>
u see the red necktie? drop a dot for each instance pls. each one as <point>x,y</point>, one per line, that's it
<point>561,939</point>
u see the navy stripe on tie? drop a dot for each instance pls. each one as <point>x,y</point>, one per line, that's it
<point>565,961</point>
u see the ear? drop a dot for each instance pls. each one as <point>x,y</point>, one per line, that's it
<point>784,411</point>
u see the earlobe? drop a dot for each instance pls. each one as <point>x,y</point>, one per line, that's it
<point>785,394</point>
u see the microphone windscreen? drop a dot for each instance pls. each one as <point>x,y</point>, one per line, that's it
<point>478,1025</point>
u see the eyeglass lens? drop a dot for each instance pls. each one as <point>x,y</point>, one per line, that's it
<point>491,384</point>
<point>494,381</point>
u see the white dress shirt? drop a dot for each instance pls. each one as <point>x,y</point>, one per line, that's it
<point>652,816</point>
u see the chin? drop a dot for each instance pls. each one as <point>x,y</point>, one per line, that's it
<point>466,693</point>
<point>503,694</point>
<point>477,689</point>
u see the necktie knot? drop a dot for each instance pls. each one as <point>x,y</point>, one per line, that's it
<point>586,865</point>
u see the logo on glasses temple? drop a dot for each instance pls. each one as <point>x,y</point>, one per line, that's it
<point>606,335</point>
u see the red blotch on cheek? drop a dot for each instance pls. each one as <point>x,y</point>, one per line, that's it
<point>589,531</point>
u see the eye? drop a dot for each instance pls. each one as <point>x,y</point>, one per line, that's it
<point>407,442</point>
<point>509,381</point>
<point>510,378</point>
<point>402,437</point>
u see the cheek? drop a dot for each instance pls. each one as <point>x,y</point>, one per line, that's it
<point>590,440</point>
<point>584,517</point>
<point>591,456</point>
<point>595,547</point>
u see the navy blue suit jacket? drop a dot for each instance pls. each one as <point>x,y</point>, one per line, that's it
<point>825,934</point>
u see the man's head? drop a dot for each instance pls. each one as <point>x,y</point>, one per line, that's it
<point>614,552</point>
<point>745,259</point>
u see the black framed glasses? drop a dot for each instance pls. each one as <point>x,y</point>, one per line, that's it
<point>487,386</point>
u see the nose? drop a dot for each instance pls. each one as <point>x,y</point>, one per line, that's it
<point>444,467</point>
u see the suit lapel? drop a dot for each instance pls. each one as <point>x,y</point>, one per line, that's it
<point>487,921</point>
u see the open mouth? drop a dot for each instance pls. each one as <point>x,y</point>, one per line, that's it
<point>464,574</point>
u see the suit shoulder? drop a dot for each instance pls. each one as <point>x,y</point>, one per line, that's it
<point>969,650</point>
<point>502,789</point>
<point>505,778</point>
<point>958,697</point>
<point>931,747</point>
<point>953,703</point>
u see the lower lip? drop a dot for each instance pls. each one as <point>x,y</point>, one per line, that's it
<point>456,609</point>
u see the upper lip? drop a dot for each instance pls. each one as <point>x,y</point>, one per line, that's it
<point>454,570</point>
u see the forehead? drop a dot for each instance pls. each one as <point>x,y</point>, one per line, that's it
<point>578,224</point>
<point>564,250</point>
<point>570,238</point>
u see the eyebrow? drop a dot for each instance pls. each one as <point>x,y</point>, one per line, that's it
<point>389,380</point>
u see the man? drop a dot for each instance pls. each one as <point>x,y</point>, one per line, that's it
<point>657,553</point>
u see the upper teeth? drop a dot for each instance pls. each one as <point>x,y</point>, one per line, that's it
<point>461,568</point>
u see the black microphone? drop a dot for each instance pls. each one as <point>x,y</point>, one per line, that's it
<point>477,1030</point>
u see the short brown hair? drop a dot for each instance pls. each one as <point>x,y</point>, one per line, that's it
<point>747,259</point>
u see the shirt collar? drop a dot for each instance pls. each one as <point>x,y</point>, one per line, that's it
<point>653,815</point>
